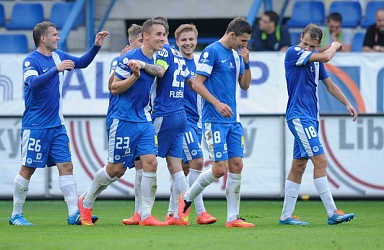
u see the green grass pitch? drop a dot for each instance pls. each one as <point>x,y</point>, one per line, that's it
<point>51,231</point>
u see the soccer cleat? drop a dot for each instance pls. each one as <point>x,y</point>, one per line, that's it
<point>339,217</point>
<point>134,220</point>
<point>294,220</point>
<point>75,219</point>
<point>152,221</point>
<point>171,220</point>
<point>205,218</point>
<point>239,222</point>
<point>19,220</point>
<point>85,213</point>
<point>184,207</point>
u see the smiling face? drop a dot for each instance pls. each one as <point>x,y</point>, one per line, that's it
<point>187,42</point>
<point>156,36</point>
<point>50,39</point>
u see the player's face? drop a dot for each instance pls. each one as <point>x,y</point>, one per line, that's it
<point>307,43</point>
<point>136,42</point>
<point>239,42</point>
<point>156,37</point>
<point>187,42</point>
<point>50,39</point>
<point>380,20</point>
<point>334,27</point>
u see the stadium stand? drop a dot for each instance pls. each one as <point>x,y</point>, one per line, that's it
<point>357,41</point>
<point>370,13</point>
<point>60,12</point>
<point>25,16</point>
<point>2,16</point>
<point>305,12</point>
<point>349,10</point>
<point>13,43</point>
<point>295,37</point>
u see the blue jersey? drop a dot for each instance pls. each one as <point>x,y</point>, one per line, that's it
<point>112,98</point>
<point>169,90</point>
<point>222,68</point>
<point>43,87</point>
<point>302,83</point>
<point>192,101</point>
<point>133,104</point>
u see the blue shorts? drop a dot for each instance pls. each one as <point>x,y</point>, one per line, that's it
<point>44,147</point>
<point>307,142</point>
<point>224,140</point>
<point>170,131</point>
<point>192,143</point>
<point>129,140</point>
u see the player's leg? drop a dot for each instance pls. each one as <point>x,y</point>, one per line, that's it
<point>135,219</point>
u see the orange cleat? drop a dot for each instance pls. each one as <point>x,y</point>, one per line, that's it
<point>171,220</point>
<point>184,209</point>
<point>152,221</point>
<point>85,213</point>
<point>134,220</point>
<point>205,218</point>
<point>239,223</point>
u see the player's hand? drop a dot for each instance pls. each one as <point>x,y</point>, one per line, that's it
<point>352,111</point>
<point>244,53</point>
<point>337,45</point>
<point>135,67</point>
<point>126,48</point>
<point>224,109</point>
<point>66,65</point>
<point>100,37</point>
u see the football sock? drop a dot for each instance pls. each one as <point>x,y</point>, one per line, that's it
<point>232,192</point>
<point>137,188</point>
<point>199,204</point>
<point>179,186</point>
<point>68,187</point>
<point>322,188</point>
<point>205,179</point>
<point>291,193</point>
<point>172,209</point>
<point>20,191</point>
<point>148,192</point>
<point>100,182</point>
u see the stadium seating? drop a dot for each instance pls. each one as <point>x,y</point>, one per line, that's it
<point>349,10</point>
<point>60,12</point>
<point>13,43</point>
<point>305,12</point>
<point>370,13</point>
<point>25,16</point>
<point>295,37</point>
<point>2,16</point>
<point>357,41</point>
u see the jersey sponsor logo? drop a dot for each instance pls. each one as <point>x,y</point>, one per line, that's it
<point>45,70</point>
<point>163,53</point>
<point>223,61</point>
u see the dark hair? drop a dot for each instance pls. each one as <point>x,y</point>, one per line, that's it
<point>335,17</point>
<point>240,26</point>
<point>149,23</point>
<point>273,17</point>
<point>314,32</point>
<point>165,22</point>
<point>40,30</point>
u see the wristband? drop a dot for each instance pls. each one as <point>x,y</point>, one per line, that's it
<point>142,64</point>
<point>246,66</point>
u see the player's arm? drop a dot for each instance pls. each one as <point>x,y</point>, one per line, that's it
<point>157,70</point>
<point>246,77</point>
<point>119,86</point>
<point>334,90</point>
<point>199,87</point>
<point>110,80</point>
<point>327,55</point>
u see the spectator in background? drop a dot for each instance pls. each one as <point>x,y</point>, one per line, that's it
<point>333,32</point>
<point>269,36</point>
<point>374,37</point>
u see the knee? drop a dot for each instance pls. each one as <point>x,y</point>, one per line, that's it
<point>65,168</point>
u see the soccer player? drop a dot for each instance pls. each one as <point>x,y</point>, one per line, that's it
<point>135,39</point>
<point>44,139</point>
<point>131,133</point>
<point>193,161</point>
<point>222,65</point>
<point>303,69</point>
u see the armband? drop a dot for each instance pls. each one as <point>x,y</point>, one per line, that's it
<point>246,66</point>
<point>142,64</point>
